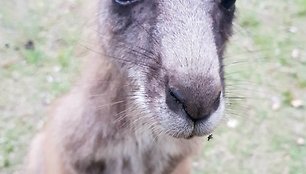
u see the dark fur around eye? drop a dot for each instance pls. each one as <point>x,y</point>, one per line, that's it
<point>228,4</point>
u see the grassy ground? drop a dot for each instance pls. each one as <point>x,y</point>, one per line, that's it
<point>265,130</point>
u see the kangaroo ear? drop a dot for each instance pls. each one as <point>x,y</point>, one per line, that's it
<point>228,4</point>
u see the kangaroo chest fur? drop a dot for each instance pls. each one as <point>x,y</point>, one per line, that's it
<point>129,156</point>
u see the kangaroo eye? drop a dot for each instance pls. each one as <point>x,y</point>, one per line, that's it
<point>126,2</point>
<point>228,4</point>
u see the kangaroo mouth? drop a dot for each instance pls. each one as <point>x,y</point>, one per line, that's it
<point>187,128</point>
<point>200,129</point>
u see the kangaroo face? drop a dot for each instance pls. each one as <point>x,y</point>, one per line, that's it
<point>171,52</point>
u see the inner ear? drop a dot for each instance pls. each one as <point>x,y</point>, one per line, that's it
<point>228,4</point>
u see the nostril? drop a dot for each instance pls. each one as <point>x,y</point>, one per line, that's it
<point>174,100</point>
<point>217,102</point>
<point>177,96</point>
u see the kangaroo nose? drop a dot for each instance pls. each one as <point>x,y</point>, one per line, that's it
<point>196,102</point>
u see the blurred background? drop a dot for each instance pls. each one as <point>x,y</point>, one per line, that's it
<point>43,44</point>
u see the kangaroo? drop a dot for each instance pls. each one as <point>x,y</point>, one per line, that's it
<point>148,99</point>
